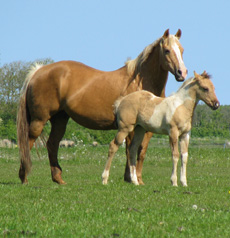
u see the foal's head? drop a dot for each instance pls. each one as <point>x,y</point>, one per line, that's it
<point>171,55</point>
<point>206,90</point>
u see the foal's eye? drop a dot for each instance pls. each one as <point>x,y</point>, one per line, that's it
<point>205,89</point>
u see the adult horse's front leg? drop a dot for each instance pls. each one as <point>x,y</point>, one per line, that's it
<point>128,141</point>
<point>58,123</point>
<point>140,156</point>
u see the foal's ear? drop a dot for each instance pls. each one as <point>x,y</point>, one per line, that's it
<point>166,34</point>
<point>178,34</point>
<point>196,75</point>
<point>204,73</point>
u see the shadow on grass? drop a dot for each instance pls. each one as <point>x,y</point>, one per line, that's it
<point>9,183</point>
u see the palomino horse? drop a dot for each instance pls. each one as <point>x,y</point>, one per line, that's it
<point>142,111</point>
<point>67,89</point>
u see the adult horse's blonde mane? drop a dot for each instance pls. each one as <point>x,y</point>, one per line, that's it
<point>133,66</point>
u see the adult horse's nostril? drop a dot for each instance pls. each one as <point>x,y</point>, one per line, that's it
<point>179,72</point>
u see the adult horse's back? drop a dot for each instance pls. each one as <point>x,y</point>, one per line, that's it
<point>67,89</point>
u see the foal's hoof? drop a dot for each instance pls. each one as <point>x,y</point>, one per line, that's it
<point>135,183</point>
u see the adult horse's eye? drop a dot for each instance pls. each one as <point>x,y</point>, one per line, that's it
<point>167,51</point>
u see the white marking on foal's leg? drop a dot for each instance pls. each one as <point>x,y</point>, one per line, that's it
<point>133,175</point>
<point>183,177</point>
<point>105,176</point>
<point>174,172</point>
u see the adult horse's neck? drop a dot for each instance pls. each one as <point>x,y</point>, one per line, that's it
<point>153,77</point>
<point>146,71</point>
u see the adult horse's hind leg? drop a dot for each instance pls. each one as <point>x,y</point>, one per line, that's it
<point>58,127</point>
<point>35,130</point>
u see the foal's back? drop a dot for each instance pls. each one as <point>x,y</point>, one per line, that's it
<point>153,113</point>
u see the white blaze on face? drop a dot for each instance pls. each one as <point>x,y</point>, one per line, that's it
<point>180,60</point>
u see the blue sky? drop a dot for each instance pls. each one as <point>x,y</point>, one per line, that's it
<point>103,34</point>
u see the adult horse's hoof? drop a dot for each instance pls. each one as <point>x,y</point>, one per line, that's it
<point>59,181</point>
<point>140,181</point>
<point>127,178</point>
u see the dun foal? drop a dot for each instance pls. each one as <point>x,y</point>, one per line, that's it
<point>142,111</point>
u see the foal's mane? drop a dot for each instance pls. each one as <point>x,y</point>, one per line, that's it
<point>133,66</point>
<point>204,75</point>
<point>186,83</point>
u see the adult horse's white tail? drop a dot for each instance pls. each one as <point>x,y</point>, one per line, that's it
<point>23,121</point>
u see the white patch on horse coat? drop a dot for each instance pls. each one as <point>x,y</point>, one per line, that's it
<point>163,113</point>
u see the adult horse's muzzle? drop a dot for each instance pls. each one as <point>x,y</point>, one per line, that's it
<point>181,75</point>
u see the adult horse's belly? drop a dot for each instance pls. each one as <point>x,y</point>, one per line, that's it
<point>92,108</point>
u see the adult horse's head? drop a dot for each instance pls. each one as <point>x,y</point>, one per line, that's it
<point>206,90</point>
<point>171,55</point>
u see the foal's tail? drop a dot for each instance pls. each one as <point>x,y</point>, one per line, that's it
<point>23,121</point>
<point>116,104</point>
<point>115,108</point>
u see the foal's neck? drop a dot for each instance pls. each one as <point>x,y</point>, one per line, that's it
<point>189,98</point>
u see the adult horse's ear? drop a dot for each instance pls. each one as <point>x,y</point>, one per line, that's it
<point>166,34</point>
<point>178,34</point>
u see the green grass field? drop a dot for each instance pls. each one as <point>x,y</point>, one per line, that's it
<point>86,208</point>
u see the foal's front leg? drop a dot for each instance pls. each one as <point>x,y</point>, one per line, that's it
<point>173,139</point>
<point>184,142</point>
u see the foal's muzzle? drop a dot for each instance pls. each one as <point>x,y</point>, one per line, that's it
<point>216,105</point>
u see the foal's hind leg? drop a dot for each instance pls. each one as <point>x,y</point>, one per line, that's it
<point>140,156</point>
<point>58,127</point>
<point>113,147</point>
<point>136,142</point>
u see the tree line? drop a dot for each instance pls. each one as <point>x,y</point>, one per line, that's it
<point>206,123</point>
